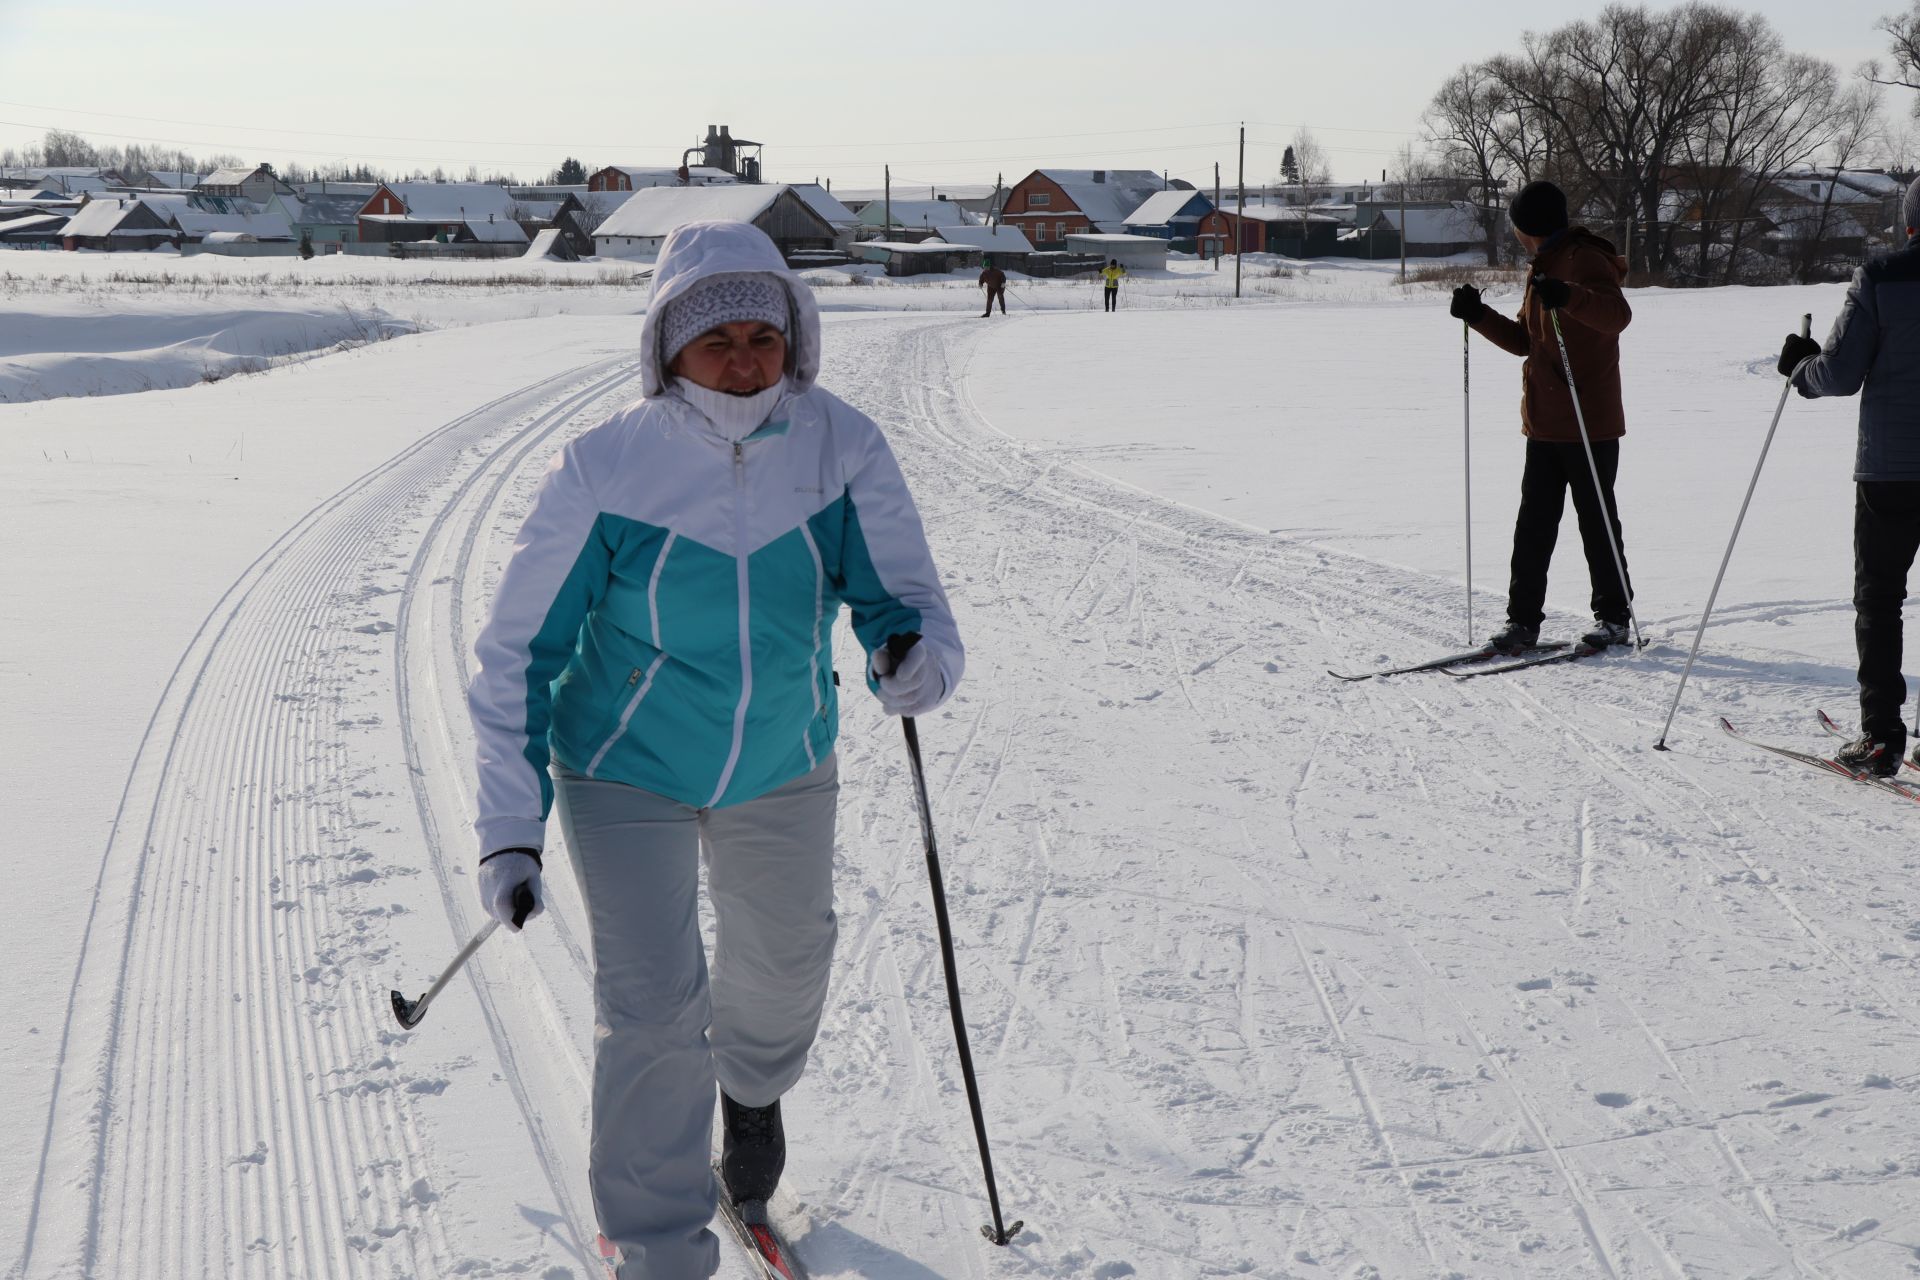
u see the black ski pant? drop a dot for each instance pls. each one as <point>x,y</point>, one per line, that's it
<point>1113,297</point>
<point>992,294</point>
<point>1552,469</point>
<point>1886,532</point>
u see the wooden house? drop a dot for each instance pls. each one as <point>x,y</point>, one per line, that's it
<point>1048,205</point>
<point>639,227</point>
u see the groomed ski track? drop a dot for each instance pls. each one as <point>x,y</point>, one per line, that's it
<point>1268,975</point>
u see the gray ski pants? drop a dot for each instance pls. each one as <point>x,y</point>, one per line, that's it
<point>667,1032</point>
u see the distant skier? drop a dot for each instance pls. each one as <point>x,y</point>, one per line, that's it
<point>1875,344</point>
<point>994,281</point>
<point>1579,275</point>
<point>1113,273</point>
<point>659,664</point>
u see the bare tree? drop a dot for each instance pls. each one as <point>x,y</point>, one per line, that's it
<point>1903,35</point>
<point>1467,121</point>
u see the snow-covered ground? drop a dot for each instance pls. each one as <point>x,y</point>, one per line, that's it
<point>1267,975</point>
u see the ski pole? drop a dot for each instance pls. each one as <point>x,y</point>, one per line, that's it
<point>1599,494</point>
<point>410,1012</point>
<point>1466,413</point>
<point>897,647</point>
<point>1806,330</point>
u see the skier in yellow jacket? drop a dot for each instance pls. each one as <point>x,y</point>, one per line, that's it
<point>1111,273</point>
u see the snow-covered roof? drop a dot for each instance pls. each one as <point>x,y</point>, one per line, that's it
<point>917,213</point>
<point>497,231</point>
<point>1455,224</point>
<point>656,211</point>
<point>42,221</point>
<point>99,217</point>
<point>915,247</point>
<point>1162,206</point>
<point>1106,196</point>
<point>332,209</point>
<point>453,201</point>
<point>260,226</point>
<point>699,175</point>
<point>601,204</point>
<point>1280,213</point>
<point>229,177</point>
<point>1001,239</point>
<point>821,201</point>
<point>1116,239</point>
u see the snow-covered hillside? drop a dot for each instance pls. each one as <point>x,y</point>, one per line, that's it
<point>1267,974</point>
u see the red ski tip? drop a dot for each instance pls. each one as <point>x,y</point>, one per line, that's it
<point>769,1246</point>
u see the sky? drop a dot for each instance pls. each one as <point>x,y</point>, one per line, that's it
<point>835,90</point>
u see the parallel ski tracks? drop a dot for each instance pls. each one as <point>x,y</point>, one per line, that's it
<point>221,1093</point>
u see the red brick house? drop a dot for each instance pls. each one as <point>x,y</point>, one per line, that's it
<point>1215,233</point>
<point>1048,205</point>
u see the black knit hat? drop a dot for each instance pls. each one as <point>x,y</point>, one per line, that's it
<point>1539,210</point>
<point>1911,206</point>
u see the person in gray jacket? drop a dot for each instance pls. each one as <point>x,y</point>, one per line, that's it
<point>1875,346</point>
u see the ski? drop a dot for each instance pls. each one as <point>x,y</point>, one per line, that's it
<point>1828,723</point>
<point>753,1227</point>
<point>1567,655</point>
<point>609,1258</point>
<point>1451,660</point>
<point>1825,764</point>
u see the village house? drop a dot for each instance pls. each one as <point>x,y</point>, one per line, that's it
<point>639,227</point>
<point>449,212</point>
<point>634,177</point>
<point>1173,216</point>
<point>258,184</point>
<point>113,224</point>
<point>1048,205</point>
<point>1007,248</point>
<point>911,219</point>
<point>323,218</point>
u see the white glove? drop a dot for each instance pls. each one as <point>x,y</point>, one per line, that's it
<point>914,687</point>
<point>501,875</point>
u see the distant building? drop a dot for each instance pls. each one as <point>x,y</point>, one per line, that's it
<point>450,212</point>
<point>912,219</point>
<point>1048,205</point>
<point>322,218</point>
<point>112,224</point>
<point>258,184</point>
<point>633,177</point>
<point>639,227</point>
<point>1135,253</point>
<point>1173,216</point>
<point>1005,245</point>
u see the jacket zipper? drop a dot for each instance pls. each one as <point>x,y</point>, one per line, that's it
<point>746,645</point>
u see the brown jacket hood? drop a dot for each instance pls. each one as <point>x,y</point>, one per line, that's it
<point>1591,322</point>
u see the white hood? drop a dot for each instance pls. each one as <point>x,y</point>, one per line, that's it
<point>698,250</point>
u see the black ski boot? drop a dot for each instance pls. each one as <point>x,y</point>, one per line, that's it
<point>1516,639</point>
<point>1870,756</point>
<point>1606,633</point>
<point>753,1149</point>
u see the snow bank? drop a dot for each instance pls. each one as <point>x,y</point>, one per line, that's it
<point>51,348</point>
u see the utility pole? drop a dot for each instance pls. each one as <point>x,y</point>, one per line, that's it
<point>997,206</point>
<point>1239,231</point>
<point>1403,226</point>
<point>887,210</point>
<point>1216,211</point>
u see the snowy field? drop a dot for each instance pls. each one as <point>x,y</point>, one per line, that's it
<point>1267,975</point>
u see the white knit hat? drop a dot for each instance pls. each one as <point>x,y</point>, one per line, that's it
<point>719,300</point>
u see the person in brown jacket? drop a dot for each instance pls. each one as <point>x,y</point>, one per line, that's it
<point>1576,274</point>
<point>994,281</point>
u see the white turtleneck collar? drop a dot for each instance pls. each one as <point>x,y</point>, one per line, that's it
<point>734,417</point>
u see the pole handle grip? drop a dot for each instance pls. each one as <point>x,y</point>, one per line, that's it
<point>522,904</point>
<point>1806,325</point>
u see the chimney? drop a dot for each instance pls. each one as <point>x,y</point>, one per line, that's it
<point>1099,175</point>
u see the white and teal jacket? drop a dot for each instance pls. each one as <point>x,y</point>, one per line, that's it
<point>665,619</point>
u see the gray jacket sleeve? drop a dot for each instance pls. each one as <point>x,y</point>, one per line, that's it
<point>1841,368</point>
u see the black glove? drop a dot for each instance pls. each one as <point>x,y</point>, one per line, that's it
<point>1466,304</point>
<point>1553,294</point>
<point>1793,351</point>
